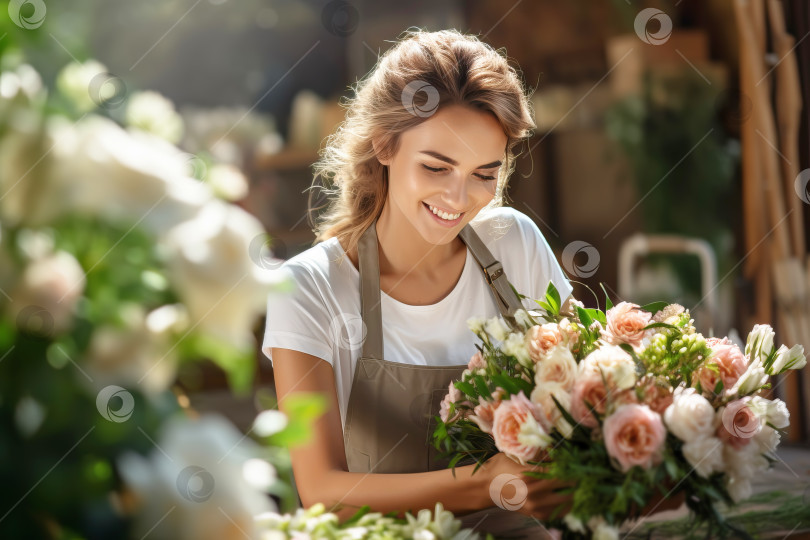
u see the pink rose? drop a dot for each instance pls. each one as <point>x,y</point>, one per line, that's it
<point>589,392</point>
<point>508,420</point>
<point>541,338</point>
<point>625,324</point>
<point>739,424</point>
<point>635,435</point>
<point>476,362</point>
<point>453,395</point>
<point>484,412</point>
<point>729,360</point>
<point>656,394</point>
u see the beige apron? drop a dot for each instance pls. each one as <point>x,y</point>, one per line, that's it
<point>389,419</point>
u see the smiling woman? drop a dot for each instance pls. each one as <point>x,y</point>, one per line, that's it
<point>417,172</point>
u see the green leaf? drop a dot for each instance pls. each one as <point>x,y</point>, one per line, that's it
<point>467,388</point>
<point>653,307</point>
<point>608,303</point>
<point>553,297</point>
<point>584,317</point>
<point>481,386</point>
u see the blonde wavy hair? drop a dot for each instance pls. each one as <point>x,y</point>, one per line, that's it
<point>462,69</point>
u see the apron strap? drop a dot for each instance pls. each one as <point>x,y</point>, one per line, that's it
<point>370,305</point>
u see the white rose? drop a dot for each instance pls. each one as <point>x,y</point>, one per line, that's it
<point>558,366</point>
<point>101,169</point>
<point>45,296</point>
<point>614,363</point>
<point>690,416</point>
<point>767,439</point>
<point>154,113</point>
<point>786,359</point>
<point>705,454</point>
<point>210,266</point>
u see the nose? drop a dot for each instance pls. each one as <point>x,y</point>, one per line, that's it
<point>455,192</point>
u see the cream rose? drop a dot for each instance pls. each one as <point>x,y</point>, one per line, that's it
<point>540,339</point>
<point>558,366</point>
<point>614,363</point>
<point>543,395</point>
<point>690,416</point>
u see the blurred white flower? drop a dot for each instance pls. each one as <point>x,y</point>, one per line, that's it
<point>140,352</point>
<point>73,81</point>
<point>228,182</point>
<point>101,169</point>
<point>214,272</point>
<point>750,381</point>
<point>741,466</point>
<point>154,113</point>
<point>476,324</point>
<point>19,87</point>
<point>45,296</point>
<point>192,486</point>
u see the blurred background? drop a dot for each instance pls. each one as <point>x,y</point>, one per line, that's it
<point>671,162</point>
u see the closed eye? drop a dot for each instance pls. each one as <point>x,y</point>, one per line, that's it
<point>440,169</point>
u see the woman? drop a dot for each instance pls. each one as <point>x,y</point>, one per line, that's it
<point>420,167</point>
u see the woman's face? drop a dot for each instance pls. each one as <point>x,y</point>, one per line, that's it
<point>449,162</point>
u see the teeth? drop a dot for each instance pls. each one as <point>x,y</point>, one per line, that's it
<point>444,215</point>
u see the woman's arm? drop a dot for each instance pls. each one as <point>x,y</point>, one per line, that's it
<point>321,471</point>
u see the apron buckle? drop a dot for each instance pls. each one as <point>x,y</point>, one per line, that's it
<point>493,271</point>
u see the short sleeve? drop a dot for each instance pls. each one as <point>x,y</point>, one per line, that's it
<point>297,316</point>
<point>543,264</point>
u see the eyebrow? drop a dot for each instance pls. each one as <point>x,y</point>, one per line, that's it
<point>453,162</point>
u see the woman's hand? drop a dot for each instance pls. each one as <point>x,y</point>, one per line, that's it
<point>525,494</point>
<point>659,504</point>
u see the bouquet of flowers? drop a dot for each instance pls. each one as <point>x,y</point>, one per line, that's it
<point>627,405</point>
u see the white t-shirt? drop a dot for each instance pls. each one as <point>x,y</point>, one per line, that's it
<point>321,316</point>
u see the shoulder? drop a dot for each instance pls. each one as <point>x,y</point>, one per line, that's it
<point>312,266</point>
<point>504,224</point>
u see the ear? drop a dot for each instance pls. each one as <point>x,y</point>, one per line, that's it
<point>376,146</point>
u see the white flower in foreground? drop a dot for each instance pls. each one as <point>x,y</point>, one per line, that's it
<point>101,169</point>
<point>74,80</point>
<point>228,182</point>
<point>192,486</point>
<point>19,87</point>
<point>690,416</point>
<point>212,268</point>
<point>601,529</point>
<point>154,113</point>
<point>140,352</point>
<point>786,359</point>
<point>45,296</point>
<point>741,466</point>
